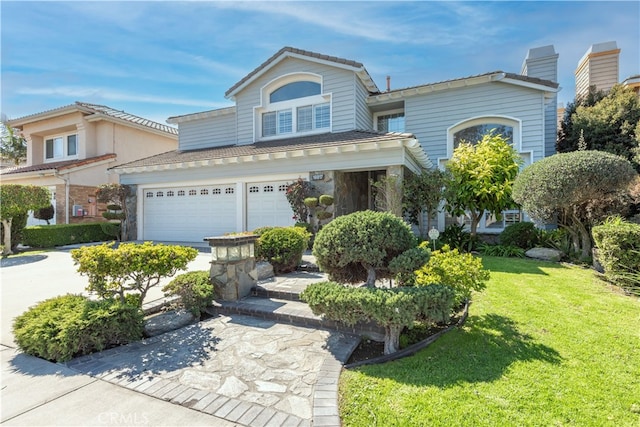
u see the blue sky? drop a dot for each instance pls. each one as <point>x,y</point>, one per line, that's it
<point>159,59</point>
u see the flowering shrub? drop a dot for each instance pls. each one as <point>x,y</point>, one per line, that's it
<point>297,192</point>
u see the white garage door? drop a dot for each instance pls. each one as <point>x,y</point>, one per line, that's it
<point>267,205</point>
<point>189,214</point>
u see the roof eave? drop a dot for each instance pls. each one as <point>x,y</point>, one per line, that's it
<point>21,121</point>
<point>201,115</point>
<point>97,116</point>
<point>360,71</point>
<point>405,140</point>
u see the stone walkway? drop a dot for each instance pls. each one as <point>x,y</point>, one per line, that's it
<point>250,371</point>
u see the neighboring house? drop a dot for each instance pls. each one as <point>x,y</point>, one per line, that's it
<point>71,148</point>
<point>322,118</point>
<point>599,67</point>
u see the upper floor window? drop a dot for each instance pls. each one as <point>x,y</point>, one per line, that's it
<point>391,122</point>
<point>474,134</point>
<point>294,90</point>
<point>293,104</point>
<point>60,147</point>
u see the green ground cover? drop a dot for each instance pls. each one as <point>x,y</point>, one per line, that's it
<point>545,345</point>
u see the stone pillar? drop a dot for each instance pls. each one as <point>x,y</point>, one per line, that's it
<point>233,265</point>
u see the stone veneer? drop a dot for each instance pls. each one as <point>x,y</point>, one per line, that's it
<point>233,265</point>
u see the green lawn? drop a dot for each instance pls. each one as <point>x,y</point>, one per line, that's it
<point>544,345</point>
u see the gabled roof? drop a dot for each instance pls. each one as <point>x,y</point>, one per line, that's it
<point>57,166</point>
<point>96,112</point>
<point>291,52</point>
<point>494,76</point>
<point>320,144</point>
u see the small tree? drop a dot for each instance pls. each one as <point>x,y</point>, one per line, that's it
<point>19,200</point>
<point>422,195</point>
<point>129,268</point>
<point>387,194</point>
<point>319,208</point>
<point>115,195</point>
<point>13,146</point>
<point>577,190</point>
<point>45,214</point>
<point>481,177</point>
<point>358,247</point>
<point>297,192</point>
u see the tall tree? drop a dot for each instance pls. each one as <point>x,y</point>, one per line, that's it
<point>16,200</point>
<point>601,122</point>
<point>481,177</point>
<point>576,190</point>
<point>13,146</point>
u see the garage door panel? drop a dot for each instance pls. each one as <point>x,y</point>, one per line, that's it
<point>267,205</point>
<point>189,213</point>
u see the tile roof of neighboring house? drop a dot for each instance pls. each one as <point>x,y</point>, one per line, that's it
<point>62,165</point>
<point>293,50</point>
<point>324,140</point>
<point>100,110</point>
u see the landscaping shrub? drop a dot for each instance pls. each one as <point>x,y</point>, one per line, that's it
<point>403,266</point>
<point>48,236</point>
<point>462,272</point>
<point>282,247</point>
<point>71,325</point>
<point>18,224</point>
<point>618,243</point>
<point>195,290</point>
<point>129,268</point>
<point>502,250</point>
<point>523,235</point>
<point>392,308</point>
<point>358,247</point>
<point>455,236</point>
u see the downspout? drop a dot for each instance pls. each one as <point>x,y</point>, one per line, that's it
<point>66,195</point>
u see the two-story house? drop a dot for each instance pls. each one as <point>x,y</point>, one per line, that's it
<point>322,118</point>
<point>71,148</point>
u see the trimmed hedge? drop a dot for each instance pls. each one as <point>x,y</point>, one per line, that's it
<point>283,247</point>
<point>48,236</point>
<point>60,328</point>
<point>195,290</point>
<point>618,243</point>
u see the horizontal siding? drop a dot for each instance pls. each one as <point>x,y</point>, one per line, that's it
<point>546,69</point>
<point>429,116</point>
<point>210,132</point>
<point>336,81</point>
<point>364,118</point>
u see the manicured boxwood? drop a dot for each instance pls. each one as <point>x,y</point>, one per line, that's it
<point>48,236</point>
<point>282,247</point>
<point>194,289</point>
<point>60,328</point>
<point>618,243</point>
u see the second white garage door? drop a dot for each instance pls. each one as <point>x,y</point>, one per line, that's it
<point>267,205</point>
<point>189,214</point>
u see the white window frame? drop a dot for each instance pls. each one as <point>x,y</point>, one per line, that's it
<point>388,113</point>
<point>292,105</point>
<point>64,149</point>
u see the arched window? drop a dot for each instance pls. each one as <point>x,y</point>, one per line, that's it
<point>473,134</point>
<point>293,104</point>
<point>294,90</point>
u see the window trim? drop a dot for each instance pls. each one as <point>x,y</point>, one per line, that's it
<point>65,147</point>
<point>388,113</point>
<point>312,101</point>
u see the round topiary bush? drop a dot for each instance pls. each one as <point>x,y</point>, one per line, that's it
<point>358,247</point>
<point>522,235</point>
<point>60,328</point>
<point>282,247</point>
